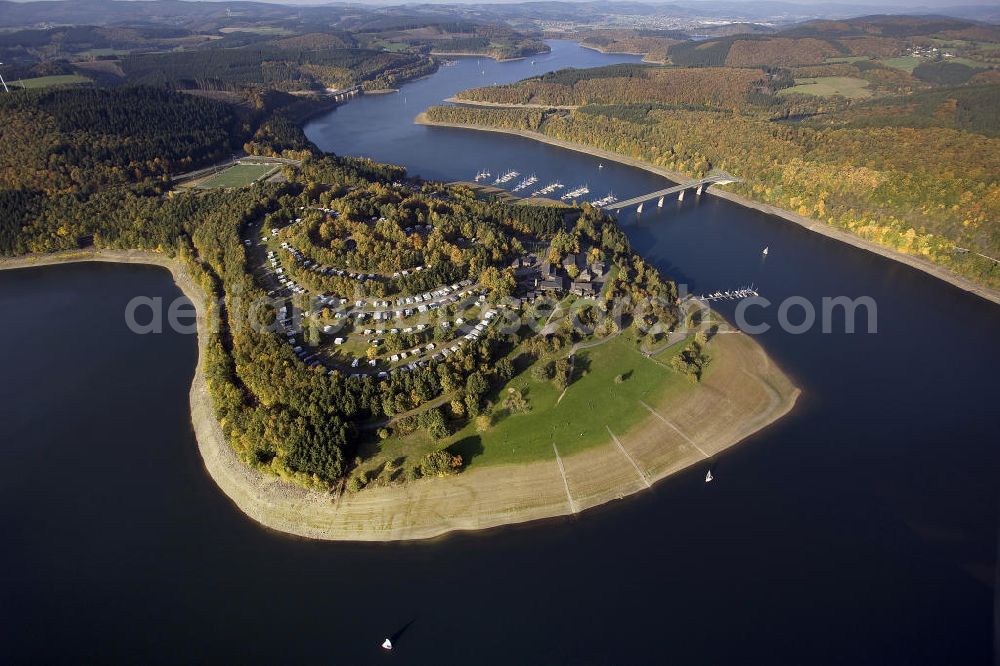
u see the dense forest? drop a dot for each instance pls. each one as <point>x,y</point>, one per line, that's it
<point>80,139</point>
<point>726,88</point>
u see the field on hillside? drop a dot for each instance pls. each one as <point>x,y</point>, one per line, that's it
<point>49,81</point>
<point>578,420</point>
<point>828,86</point>
<point>905,63</point>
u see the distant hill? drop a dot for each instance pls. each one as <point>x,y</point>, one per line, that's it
<point>894,26</point>
<point>816,42</point>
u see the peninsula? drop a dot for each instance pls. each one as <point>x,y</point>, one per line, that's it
<point>389,358</point>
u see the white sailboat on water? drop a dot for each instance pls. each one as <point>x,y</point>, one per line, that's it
<point>639,209</point>
<point>764,252</point>
<point>387,644</point>
<point>659,204</point>
<point>708,479</point>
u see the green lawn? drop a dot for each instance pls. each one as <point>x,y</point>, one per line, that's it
<point>827,86</point>
<point>591,403</point>
<point>665,355</point>
<point>48,81</point>
<point>969,62</point>
<point>239,175</point>
<point>905,63</point>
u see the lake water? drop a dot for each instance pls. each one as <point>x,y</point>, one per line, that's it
<point>862,528</point>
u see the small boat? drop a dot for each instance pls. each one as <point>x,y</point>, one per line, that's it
<point>387,644</point>
<point>764,252</point>
<point>659,204</point>
<point>708,479</point>
<point>639,209</point>
<point>601,165</point>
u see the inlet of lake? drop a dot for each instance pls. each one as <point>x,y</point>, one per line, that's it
<point>861,528</point>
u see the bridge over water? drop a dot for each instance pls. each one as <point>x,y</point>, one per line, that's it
<point>343,94</point>
<point>699,185</point>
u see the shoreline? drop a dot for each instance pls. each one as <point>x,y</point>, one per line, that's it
<point>913,261</point>
<point>468,54</point>
<point>473,102</point>
<point>745,395</point>
<point>645,56</point>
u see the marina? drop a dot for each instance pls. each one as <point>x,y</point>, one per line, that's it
<point>730,295</point>
<point>548,189</point>
<point>506,177</point>
<point>526,183</point>
<point>575,193</point>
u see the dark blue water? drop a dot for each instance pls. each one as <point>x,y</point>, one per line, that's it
<point>862,528</point>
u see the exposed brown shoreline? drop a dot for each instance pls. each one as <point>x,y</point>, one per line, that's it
<point>473,102</point>
<point>742,394</point>
<point>645,56</point>
<point>465,54</point>
<point>911,260</point>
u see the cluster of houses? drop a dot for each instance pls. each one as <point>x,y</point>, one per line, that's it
<point>928,52</point>
<point>573,275</point>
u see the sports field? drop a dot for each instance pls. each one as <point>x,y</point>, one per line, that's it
<point>239,175</point>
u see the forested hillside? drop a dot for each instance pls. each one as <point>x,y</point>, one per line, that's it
<point>654,44</point>
<point>80,139</point>
<point>916,172</point>
<point>723,88</point>
<point>274,68</point>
